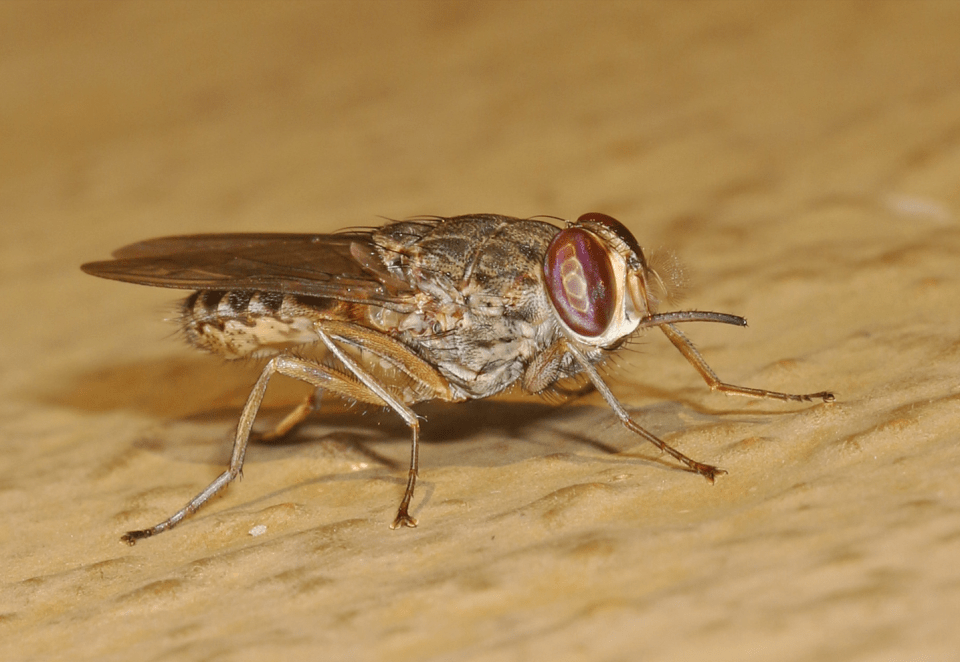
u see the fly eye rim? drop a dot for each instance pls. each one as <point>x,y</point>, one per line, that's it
<point>618,230</point>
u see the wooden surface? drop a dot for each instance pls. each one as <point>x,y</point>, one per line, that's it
<point>800,158</point>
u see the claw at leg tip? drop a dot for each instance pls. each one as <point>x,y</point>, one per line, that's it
<point>404,520</point>
<point>131,537</point>
<point>712,474</point>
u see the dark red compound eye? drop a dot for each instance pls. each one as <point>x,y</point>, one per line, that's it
<point>580,281</point>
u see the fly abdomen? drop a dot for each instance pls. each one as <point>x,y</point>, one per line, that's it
<point>240,324</point>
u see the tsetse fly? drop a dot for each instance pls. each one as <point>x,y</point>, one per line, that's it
<point>424,309</point>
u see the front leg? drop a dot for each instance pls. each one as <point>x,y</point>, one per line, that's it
<point>708,471</point>
<point>697,361</point>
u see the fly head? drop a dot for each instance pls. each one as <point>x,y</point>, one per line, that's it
<point>596,278</point>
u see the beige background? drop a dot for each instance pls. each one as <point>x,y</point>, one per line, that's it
<point>802,160</point>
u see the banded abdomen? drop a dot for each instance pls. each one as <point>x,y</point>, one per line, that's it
<point>241,324</point>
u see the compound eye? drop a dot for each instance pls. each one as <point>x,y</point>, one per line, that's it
<point>580,281</point>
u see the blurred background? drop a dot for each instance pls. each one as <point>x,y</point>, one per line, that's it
<point>799,158</point>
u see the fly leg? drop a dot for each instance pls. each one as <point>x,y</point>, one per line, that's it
<point>299,414</point>
<point>316,375</point>
<point>690,353</point>
<point>403,516</point>
<point>708,471</point>
<point>429,380</point>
